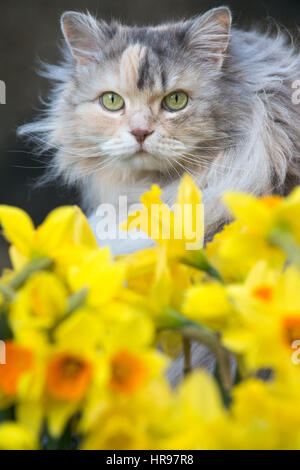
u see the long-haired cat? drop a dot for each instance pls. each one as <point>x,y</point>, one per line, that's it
<point>133,106</point>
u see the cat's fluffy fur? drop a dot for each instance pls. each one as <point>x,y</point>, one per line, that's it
<point>240,129</point>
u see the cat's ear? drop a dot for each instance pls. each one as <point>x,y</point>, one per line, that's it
<point>84,35</point>
<point>209,34</point>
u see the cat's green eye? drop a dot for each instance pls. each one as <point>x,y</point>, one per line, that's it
<point>175,101</point>
<point>112,101</point>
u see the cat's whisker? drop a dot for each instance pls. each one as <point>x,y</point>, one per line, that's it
<point>183,160</point>
<point>200,163</point>
<point>174,168</point>
<point>185,169</point>
<point>212,137</point>
<point>196,159</point>
<point>63,149</point>
<point>86,138</point>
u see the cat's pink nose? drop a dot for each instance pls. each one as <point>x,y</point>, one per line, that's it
<point>141,134</point>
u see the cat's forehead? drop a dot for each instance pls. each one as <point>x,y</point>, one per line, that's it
<point>148,55</point>
<point>140,68</point>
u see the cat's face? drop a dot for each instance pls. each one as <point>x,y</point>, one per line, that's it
<point>141,98</point>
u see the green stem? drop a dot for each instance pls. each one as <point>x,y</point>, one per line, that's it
<point>170,319</point>
<point>7,292</point>
<point>211,340</point>
<point>32,267</point>
<point>199,260</point>
<point>225,393</point>
<point>284,239</point>
<point>187,355</point>
<point>76,300</point>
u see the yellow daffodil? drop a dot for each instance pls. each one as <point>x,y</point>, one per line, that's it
<point>264,214</point>
<point>180,230</point>
<point>71,377</point>
<point>81,331</point>
<point>208,303</point>
<point>269,320</point>
<point>200,412</point>
<point>40,303</point>
<point>127,345</point>
<point>64,226</point>
<point>102,278</point>
<point>117,432</point>
<point>142,421</point>
<point>75,368</point>
<point>235,251</point>
<point>262,418</point>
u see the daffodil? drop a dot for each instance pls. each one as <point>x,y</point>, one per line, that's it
<point>235,251</point>
<point>18,362</point>
<point>117,431</point>
<point>68,378</point>
<point>99,275</point>
<point>22,378</point>
<point>262,417</point>
<point>129,349</point>
<point>209,304</point>
<point>81,330</point>
<point>262,215</point>
<point>75,369</point>
<point>63,227</point>
<point>269,320</point>
<point>142,421</point>
<point>200,413</point>
<point>40,303</point>
<point>180,230</point>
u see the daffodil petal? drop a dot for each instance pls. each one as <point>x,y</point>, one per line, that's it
<point>57,229</point>
<point>83,234</point>
<point>18,228</point>
<point>14,436</point>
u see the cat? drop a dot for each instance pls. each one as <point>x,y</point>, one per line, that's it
<point>237,129</point>
<point>133,106</point>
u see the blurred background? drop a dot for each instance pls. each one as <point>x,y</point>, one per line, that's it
<point>29,29</point>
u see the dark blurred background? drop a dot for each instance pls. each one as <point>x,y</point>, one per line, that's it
<point>29,29</point>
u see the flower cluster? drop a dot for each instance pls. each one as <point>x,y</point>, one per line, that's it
<point>86,340</point>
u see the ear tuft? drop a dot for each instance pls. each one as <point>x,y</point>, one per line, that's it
<point>82,33</point>
<point>209,34</point>
<point>223,15</point>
